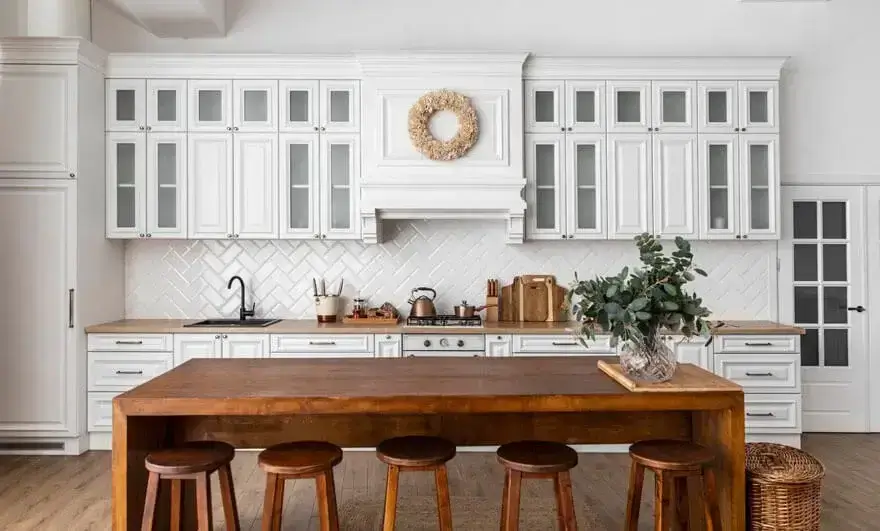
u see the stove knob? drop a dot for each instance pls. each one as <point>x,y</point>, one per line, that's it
<point>460,343</point>
<point>444,342</point>
<point>427,342</point>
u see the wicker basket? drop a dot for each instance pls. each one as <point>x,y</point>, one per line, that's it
<point>783,488</point>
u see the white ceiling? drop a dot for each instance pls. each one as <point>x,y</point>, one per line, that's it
<point>176,18</point>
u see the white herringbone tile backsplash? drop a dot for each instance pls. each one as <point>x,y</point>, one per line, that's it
<point>187,279</point>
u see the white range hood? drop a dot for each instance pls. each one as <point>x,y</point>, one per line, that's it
<point>398,182</point>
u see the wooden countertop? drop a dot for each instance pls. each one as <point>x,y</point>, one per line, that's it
<point>309,326</point>
<point>406,386</point>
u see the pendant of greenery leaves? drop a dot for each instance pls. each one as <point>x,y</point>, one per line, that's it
<point>635,305</point>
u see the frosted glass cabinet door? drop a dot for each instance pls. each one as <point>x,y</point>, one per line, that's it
<point>299,179</point>
<point>758,106</point>
<point>718,107</point>
<point>544,206</point>
<point>166,185</point>
<point>759,192</point>
<point>674,106</point>
<point>585,186</point>
<point>166,106</point>
<point>585,106</point>
<point>340,167</point>
<point>210,106</point>
<point>340,106</point>
<point>629,106</point>
<point>125,105</point>
<point>544,107</point>
<point>255,106</point>
<point>299,106</point>
<point>719,194</point>
<point>255,178</point>
<point>125,185</point>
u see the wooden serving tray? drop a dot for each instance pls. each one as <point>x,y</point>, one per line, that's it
<point>381,321</point>
<point>688,378</point>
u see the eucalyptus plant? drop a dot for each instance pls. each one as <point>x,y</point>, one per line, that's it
<point>634,306</point>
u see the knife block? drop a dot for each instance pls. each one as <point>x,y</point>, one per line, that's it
<point>492,309</point>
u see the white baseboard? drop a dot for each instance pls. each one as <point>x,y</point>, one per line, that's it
<point>58,445</point>
<point>100,440</point>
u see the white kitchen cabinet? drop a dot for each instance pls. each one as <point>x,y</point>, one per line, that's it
<point>544,106</point>
<point>674,106</point>
<point>191,346</point>
<point>630,208</point>
<point>299,196</point>
<point>210,106</point>
<point>675,194</point>
<point>340,106</point>
<point>388,345</point>
<point>299,106</point>
<point>691,350</point>
<point>759,186</point>
<point>120,371</point>
<point>38,100</point>
<point>166,185</point>
<point>738,107</point>
<point>245,345</point>
<point>544,165</point>
<point>629,106</point>
<point>321,344</point>
<point>560,345</point>
<point>585,106</point>
<point>719,180</point>
<point>498,346</point>
<point>718,109</point>
<point>209,182</point>
<point>339,169</point>
<point>166,106</point>
<point>100,412</point>
<point>758,106</point>
<point>153,105</point>
<point>126,185</point>
<point>255,179</point>
<point>126,105</point>
<point>584,186</point>
<point>255,106</point>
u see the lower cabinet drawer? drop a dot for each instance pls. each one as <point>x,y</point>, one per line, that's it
<point>320,355</point>
<point>347,343</point>
<point>113,371</point>
<point>773,413</point>
<point>549,345</point>
<point>100,414</point>
<point>131,342</point>
<point>757,344</point>
<point>762,373</point>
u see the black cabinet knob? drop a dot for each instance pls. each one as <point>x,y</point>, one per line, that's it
<point>427,342</point>
<point>460,343</point>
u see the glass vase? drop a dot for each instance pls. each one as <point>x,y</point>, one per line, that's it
<point>650,360</point>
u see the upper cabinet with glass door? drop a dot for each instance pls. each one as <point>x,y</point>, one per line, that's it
<point>759,192</point>
<point>299,106</point>
<point>674,106</point>
<point>125,102</point>
<point>565,106</point>
<point>210,106</point>
<point>739,107</point>
<point>758,107</point>
<point>166,106</point>
<point>255,106</point>
<point>340,107</point>
<point>340,166</point>
<point>629,106</point>
<point>544,107</point>
<point>155,105</point>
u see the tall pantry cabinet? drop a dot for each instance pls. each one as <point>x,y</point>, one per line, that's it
<point>58,270</point>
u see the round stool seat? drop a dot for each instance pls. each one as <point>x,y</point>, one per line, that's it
<point>671,455</point>
<point>300,457</point>
<point>190,458</point>
<point>415,451</point>
<point>537,457</point>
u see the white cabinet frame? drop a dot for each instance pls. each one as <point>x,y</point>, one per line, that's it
<point>154,124</point>
<point>312,231</point>
<point>707,231</point>
<point>689,88</point>
<point>311,123</point>
<point>630,204</point>
<point>353,124</point>
<point>325,187</point>
<point>730,124</point>
<point>571,187</point>
<point>225,122</point>
<point>139,185</point>
<point>675,194</point>
<point>557,143</point>
<point>643,88</point>
<point>138,86</point>
<point>572,88</point>
<point>557,125</point>
<point>240,123</point>
<point>153,186</point>
<point>772,90</point>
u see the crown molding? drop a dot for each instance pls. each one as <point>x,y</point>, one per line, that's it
<point>432,64</point>
<point>232,66</point>
<point>659,68</point>
<point>52,51</point>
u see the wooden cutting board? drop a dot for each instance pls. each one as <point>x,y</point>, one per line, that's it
<point>557,301</point>
<point>534,297</point>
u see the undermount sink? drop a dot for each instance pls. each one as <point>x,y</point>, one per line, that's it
<point>232,322</point>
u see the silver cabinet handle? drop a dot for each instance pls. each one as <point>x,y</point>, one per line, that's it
<point>129,342</point>
<point>322,343</point>
<point>759,374</point>
<point>217,336</point>
<point>765,344</point>
<point>70,297</point>
<point>225,336</point>
<point>134,373</point>
<point>760,414</point>
<point>564,344</point>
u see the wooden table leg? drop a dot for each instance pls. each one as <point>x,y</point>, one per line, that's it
<point>724,431</point>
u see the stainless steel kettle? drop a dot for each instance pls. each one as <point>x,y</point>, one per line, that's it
<point>422,305</point>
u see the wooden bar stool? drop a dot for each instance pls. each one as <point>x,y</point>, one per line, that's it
<point>415,453</point>
<point>538,460</point>
<point>195,460</point>
<point>295,460</point>
<point>672,463</point>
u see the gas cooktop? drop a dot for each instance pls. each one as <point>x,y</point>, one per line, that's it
<point>445,320</point>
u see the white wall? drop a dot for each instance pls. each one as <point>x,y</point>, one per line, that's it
<point>11,18</point>
<point>45,18</point>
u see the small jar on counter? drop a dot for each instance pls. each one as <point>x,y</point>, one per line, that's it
<point>359,308</point>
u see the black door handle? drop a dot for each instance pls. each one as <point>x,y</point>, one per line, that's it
<point>858,308</point>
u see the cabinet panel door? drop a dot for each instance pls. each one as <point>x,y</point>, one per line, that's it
<point>126,185</point>
<point>255,106</point>
<point>245,345</point>
<point>255,211</point>
<point>340,106</point>
<point>759,106</point>
<point>299,186</point>
<point>388,345</point>
<point>166,105</point>
<point>629,106</point>
<point>190,346</point>
<point>629,185</point>
<point>125,105</point>
<point>544,107</point>
<point>166,185</point>
<point>498,346</point>
<point>675,185</point>
<point>719,194</point>
<point>585,106</point>
<point>674,106</point>
<point>340,168</point>
<point>39,358</point>
<point>210,106</point>
<point>209,185</point>
<point>693,350</point>
<point>759,186</point>
<point>585,186</point>
<point>545,209</point>
<point>718,110</point>
<point>299,106</point>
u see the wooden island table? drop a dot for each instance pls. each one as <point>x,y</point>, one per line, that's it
<point>252,403</point>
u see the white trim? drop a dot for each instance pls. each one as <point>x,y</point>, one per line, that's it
<point>52,51</point>
<point>830,179</point>
<point>655,68</point>
<point>436,64</point>
<point>233,66</point>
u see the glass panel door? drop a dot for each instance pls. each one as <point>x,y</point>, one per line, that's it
<point>340,106</point>
<point>629,107</point>
<point>210,107</point>
<point>585,105</point>
<point>125,105</point>
<point>585,178</point>
<point>339,167</point>
<point>255,106</point>
<point>166,186</point>
<point>166,106</point>
<point>544,207</point>
<point>299,106</point>
<point>298,194</point>
<point>760,184</point>
<point>544,108</point>
<point>758,104</point>
<point>125,185</point>
<point>718,107</point>
<point>719,217</point>
<point>674,106</point>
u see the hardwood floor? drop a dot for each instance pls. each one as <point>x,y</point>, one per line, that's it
<point>72,493</point>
